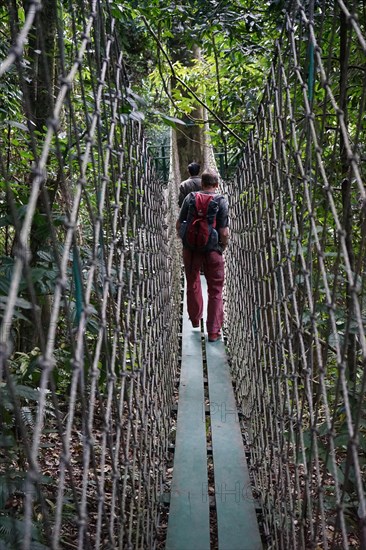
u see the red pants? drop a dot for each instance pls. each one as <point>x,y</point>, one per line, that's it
<point>212,264</point>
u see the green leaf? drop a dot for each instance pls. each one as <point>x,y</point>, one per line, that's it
<point>137,115</point>
<point>7,486</point>
<point>24,392</point>
<point>172,121</point>
<point>19,302</point>
<point>16,124</point>
<point>13,531</point>
<point>7,441</point>
<point>6,220</point>
<point>4,286</point>
<point>138,98</point>
<point>342,440</point>
<point>37,273</point>
<point>46,255</point>
<point>27,417</point>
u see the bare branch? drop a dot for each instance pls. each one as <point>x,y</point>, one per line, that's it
<point>188,88</point>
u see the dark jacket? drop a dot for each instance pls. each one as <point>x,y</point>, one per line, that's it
<point>193,183</point>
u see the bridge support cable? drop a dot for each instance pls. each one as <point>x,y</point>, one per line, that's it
<point>90,293</point>
<point>90,276</point>
<point>295,294</point>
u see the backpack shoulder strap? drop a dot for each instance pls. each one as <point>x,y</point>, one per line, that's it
<point>192,199</point>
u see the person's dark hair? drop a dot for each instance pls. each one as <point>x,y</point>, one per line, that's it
<point>194,168</point>
<point>209,178</point>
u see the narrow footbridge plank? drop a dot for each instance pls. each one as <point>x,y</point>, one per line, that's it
<point>236,517</point>
<point>188,526</point>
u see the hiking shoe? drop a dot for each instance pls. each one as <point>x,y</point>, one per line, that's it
<point>214,336</point>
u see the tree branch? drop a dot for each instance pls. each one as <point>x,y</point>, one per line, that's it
<point>188,88</point>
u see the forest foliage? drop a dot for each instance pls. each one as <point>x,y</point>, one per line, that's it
<point>235,42</point>
<point>176,55</point>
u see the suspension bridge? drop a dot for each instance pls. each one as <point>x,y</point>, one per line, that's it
<point>112,408</point>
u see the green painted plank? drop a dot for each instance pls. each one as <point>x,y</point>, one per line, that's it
<point>236,518</point>
<point>188,524</point>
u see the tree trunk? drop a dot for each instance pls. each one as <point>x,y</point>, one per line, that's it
<point>189,139</point>
<point>39,99</point>
<point>42,52</point>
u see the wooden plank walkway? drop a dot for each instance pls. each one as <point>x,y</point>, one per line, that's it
<point>188,525</point>
<point>237,524</point>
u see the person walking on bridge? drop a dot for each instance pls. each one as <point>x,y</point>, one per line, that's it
<point>209,258</point>
<point>193,183</point>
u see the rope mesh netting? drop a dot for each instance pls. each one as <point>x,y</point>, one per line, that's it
<point>90,289</point>
<point>296,308</point>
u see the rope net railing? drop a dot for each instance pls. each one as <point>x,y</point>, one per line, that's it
<point>296,309</point>
<point>89,288</point>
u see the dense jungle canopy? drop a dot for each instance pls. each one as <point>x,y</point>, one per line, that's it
<point>180,57</point>
<point>201,62</point>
